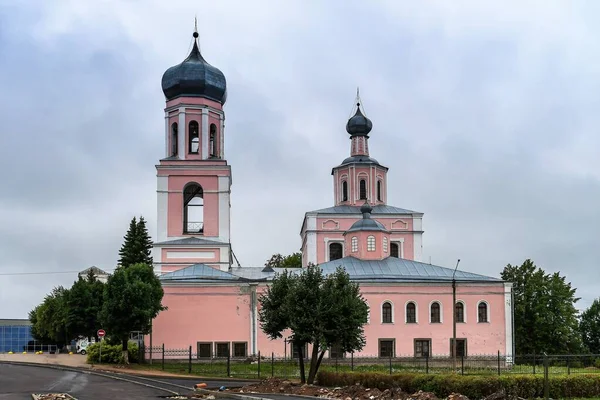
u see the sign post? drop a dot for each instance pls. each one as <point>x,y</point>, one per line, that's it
<point>101,334</point>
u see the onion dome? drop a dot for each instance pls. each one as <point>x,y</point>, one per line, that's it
<point>195,77</point>
<point>366,223</point>
<point>359,124</point>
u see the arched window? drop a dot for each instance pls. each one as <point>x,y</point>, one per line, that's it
<point>335,251</point>
<point>482,312</point>
<point>194,137</point>
<point>354,244</point>
<point>379,195</point>
<point>385,244</point>
<point>371,243</point>
<point>344,191</point>
<point>174,139</point>
<point>363,189</point>
<point>411,313</point>
<point>435,313</point>
<point>212,148</point>
<point>394,250</point>
<point>459,308</point>
<point>386,313</point>
<point>193,209</point>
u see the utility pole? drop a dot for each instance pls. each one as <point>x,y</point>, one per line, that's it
<point>454,318</point>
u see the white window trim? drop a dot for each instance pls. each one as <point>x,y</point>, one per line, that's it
<point>381,312</point>
<point>487,310</point>
<point>341,180</point>
<point>416,312</point>
<point>330,241</point>
<point>441,312</point>
<point>374,243</point>
<point>400,243</point>
<point>464,311</point>
<point>354,244</point>
<point>360,176</point>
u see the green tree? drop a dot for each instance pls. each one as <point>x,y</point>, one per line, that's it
<point>84,305</point>
<point>278,261</point>
<point>323,311</point>
<point>545,317</point>
<point>132,299</point>
<point>590,327</point>
<point>137,244</point>
<point>49,319</point>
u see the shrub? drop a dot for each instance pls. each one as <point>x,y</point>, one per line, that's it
<point>472,386</point>
<point>111,354</point>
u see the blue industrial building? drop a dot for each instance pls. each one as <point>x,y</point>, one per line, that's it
<point>15,334</point>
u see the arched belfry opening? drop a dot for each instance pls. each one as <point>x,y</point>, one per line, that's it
<point>194,138</point>
<point>193,209</point>
<point>174,139</point>
<point>345,191</point>
<point>362,189</point>
<point>212,144</point>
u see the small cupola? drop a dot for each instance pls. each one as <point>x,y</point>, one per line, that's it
<point>359,124</point>
<point>195,77</point>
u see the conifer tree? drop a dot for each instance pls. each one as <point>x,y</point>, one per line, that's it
<point>137,244</point>
<point>144,242</point>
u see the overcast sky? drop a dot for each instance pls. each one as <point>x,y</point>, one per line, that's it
<point>487,116</point>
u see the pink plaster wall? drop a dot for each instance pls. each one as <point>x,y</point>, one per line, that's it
<point>198,101</point>
<point>353,175</point>
<point>362,252</point>
<point>214,251</point>
<point>222,313</point>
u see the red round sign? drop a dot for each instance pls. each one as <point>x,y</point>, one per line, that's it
<point>101,333</point>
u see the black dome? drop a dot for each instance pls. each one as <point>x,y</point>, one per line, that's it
<point>359,124</point>
<point>195,77</point>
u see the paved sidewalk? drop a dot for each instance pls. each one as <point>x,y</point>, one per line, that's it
<point>67,360</point>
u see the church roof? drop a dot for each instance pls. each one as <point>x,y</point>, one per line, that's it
<point>394,269</point>
<point>190,241</point>
<point>198,273</point>
<point>379,209</point>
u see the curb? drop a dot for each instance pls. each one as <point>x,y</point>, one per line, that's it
<point>88,371</point>
<point>37,396</point>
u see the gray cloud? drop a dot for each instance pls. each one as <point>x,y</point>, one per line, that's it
<point>485,114</point>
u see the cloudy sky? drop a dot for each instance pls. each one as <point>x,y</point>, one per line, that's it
<point>487,116</point>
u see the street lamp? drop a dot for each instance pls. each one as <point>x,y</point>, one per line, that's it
<point>454,317</point>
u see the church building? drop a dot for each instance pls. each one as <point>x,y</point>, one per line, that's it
<point>213,305</point>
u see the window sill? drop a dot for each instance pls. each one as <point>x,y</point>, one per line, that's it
<point>483,322</point>
<point>387,323</point>
<point>411,323</point>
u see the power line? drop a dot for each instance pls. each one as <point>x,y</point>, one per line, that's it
<point>44,273</point>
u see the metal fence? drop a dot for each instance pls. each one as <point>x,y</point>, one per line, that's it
<point>271,365</point>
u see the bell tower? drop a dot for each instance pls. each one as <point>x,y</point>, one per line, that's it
<point>193,178</point>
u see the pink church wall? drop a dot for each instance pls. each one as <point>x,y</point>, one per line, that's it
<point>197,101</point>
<point>215,255</point>
<point>222,313</point>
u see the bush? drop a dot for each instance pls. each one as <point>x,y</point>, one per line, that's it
<point>111,354</point>
<point>472,386</point>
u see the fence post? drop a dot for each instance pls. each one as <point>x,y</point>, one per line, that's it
<point>190,360</point>
<point>427,363</point>
<point>546,383</point>
<point>390,363</point>
<point>568,365</point>
<point>272,364</point>
<point>163,356</point>
<point>228,365</point>
<point>498,362</point>
<point>259,365</point>
<point>352,361</point>
<point>462,364</point>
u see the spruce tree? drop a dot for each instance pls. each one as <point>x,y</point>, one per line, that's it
<point>128,253</point>
<point>144,242</point>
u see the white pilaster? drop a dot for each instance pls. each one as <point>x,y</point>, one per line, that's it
<point>508,318</point>
<point>311,239</point>
<point>418,246</point>
<point>224,211</point>
<point>181,134</point>
<point>204,133</point>
<point>167,135</point>
<point>222,136</point>
<point>162,207</point>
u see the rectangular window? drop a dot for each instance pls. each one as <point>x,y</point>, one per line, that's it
<point>222,349</point>
<point>461,347</point>
<point>386,348</point>
<point>371,243</point>
<point>335,352</point>
<point>422,347</point>
<point>240,349</point>
<point>295,354</point>
<point>204,349</point>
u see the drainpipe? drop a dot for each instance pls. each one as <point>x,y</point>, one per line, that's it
<point>253,318</point>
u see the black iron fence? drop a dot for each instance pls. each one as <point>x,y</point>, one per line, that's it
<point>271,365</point>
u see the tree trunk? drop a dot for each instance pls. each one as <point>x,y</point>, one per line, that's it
<point>319,362</point>
<point>301,361</point>
<point>313,362</point>
<point>125,341</point>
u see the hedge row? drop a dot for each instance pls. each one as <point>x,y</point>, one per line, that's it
<point>473,386</point>
<point>111,354</point>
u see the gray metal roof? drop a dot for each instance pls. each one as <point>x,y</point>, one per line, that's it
<point>380,209</point>
<point>191,241</point>
<point>15,322</point>
<point>393,269</point>
<point>198,273</point>
<point>95,269</point>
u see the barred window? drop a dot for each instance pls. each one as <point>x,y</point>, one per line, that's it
<point>371,243</point>
<point>385,244</point>
<point>386,313</point>
<point>411,313</point>
<point>354,244</point>
<point>240,349</point>
<point>435,312</point>
<point>482,311</point>
<point>460,312</point>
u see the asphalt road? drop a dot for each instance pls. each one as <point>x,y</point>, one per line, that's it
<point>19,382</point>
